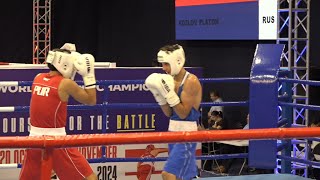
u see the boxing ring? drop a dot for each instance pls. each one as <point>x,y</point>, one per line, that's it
<point>269,136</point>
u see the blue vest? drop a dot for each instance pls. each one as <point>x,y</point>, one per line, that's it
<point>193,115</point>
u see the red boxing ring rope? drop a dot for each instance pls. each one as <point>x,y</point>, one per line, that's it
<point>154,137</point>
<point>50,142</point>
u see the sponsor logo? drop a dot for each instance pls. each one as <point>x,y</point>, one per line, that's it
<point>128,87</point>
<point>165,85</point>
<point>46,79</point>
<point>88,65</point>
<point>112,88</point>
<point>15,89</point>
<point>135,122</point>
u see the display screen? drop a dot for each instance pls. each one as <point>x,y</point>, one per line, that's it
<point>226,19</point>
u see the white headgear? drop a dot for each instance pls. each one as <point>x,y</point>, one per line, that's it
<point>69,46</point>
<point>63,62</point>
<point>175,58</point>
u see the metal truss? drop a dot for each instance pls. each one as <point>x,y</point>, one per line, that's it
<point>41,30</point>
<point>293,30</point>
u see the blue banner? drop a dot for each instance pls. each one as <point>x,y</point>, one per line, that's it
<point>226,19</point>
<point>90,121</point>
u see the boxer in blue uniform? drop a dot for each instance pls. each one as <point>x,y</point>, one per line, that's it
<point>179,94</point>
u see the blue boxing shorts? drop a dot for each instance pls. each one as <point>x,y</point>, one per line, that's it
<point>182,160</point>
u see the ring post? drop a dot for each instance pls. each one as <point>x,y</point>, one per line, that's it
<point>263,103</point>
<point>286,114</point>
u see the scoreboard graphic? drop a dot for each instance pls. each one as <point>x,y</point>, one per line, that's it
<point>226,19</point>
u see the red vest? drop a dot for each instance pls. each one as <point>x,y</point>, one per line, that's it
<point>46,108</point>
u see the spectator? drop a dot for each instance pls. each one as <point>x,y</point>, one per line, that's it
<point>247,125</point>
<point>229,149</point>
<point>215,97</point>
<point>216,120</point>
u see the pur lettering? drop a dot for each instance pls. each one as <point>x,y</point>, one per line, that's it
<point>41,91</point>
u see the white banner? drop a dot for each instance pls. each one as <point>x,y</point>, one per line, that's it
<point>104,171</point>
<point>268,19</point>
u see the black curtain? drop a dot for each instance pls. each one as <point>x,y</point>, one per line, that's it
<point>16,31</point>
<point>128,32</point>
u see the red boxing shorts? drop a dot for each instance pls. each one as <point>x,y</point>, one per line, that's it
<point>68,163</point>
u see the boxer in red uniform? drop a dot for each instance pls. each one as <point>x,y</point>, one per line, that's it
<point>48,112</point>
<point>145,169</point>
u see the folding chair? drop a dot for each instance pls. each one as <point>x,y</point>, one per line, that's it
<point>211,151</point>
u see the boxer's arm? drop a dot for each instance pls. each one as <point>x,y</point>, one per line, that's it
<point>189,97</point>
<point>84,96</point>
<point>167,110</point>
<point>157,151</point>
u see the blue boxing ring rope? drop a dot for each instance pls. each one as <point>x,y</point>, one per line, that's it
<point>105,106</point>
<point>283,101</point>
